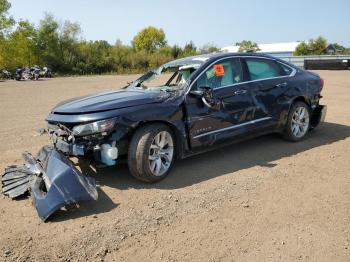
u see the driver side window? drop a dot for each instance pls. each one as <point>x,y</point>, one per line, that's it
<point>223,73</point>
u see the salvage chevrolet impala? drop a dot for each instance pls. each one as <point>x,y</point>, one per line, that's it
<point>182,108</point>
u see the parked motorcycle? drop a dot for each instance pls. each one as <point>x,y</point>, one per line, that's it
<point>34,73</point>
<point>22,74</point>
<point>6,74</point>
<point>46,72</point>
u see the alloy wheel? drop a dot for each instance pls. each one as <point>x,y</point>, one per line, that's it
<point>161,153</point>
<point>300,121</point>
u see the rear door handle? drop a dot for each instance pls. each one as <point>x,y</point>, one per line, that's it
<point>284,84</point>
<point>239,92</point>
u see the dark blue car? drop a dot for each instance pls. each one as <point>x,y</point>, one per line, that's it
<point>188,106</point>
<point>182,108</point>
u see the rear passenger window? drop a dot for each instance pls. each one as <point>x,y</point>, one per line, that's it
<point>263,68</point>
<point>286,69</point>
<point>223,73</point>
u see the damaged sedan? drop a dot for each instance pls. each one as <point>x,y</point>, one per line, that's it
<point>182,108</point>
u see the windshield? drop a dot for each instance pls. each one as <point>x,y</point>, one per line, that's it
<point>170,76</point>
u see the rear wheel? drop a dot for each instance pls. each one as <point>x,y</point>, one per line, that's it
<point>298,123</point>
<point>151,152</point>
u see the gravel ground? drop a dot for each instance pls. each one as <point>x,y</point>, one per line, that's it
<point>261,200</point>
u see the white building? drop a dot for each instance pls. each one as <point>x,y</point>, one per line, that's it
<point>278,49</point>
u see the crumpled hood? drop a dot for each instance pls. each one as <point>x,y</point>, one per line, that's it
<point>108,101</point>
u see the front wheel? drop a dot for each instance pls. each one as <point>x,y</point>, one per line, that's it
<point>151,152</point>
<point>298,123</point>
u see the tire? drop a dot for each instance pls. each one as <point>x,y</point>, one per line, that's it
<point>151,152</point>
<point>297,128</point>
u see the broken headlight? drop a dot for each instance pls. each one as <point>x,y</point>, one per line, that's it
<point>95,127</point>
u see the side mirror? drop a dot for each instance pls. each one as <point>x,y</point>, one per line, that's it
<point>206,94</point>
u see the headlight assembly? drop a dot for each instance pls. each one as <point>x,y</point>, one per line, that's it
<point>95,127</point>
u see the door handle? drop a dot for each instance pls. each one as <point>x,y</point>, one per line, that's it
<point>239,92</point>
<point>284,84</point>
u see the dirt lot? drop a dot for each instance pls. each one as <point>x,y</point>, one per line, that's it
<point>260,200</point>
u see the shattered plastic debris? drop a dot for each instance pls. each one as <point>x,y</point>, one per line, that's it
<point>16,181</point>
<point>51,179</point>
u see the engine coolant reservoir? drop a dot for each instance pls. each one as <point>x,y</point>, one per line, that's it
<point>109,154</point>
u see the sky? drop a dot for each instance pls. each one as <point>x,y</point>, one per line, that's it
<point>218,22</point>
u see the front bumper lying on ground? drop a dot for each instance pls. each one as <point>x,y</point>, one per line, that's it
<point>52,181</point>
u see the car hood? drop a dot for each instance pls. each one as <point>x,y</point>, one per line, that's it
<point>109,101</point>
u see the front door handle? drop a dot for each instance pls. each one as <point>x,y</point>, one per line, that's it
<point>284,84</point>
<point>239,92</point>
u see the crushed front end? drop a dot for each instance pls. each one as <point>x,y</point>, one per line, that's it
<point>51,178</point>
<point>95,142</point>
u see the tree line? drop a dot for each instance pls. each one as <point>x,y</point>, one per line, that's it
<point>319,46</point>
<point>60,47</point>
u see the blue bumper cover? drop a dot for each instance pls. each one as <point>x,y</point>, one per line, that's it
<point>60,183</point>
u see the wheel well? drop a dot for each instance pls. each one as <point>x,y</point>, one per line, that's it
<point>286,113</point>
<point>298,99</point>
<point>175,131</point>
<point>301,99</point>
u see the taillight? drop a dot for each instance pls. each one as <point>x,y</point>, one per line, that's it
<point>321,84</point>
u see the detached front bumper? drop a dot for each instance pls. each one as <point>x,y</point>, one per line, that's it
<point>64,184</point>
<point>55,182</point>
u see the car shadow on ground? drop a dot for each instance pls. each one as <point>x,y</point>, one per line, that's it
<point>261,151</point>
<point>103,205</point>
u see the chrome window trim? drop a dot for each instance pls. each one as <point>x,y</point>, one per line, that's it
<point>232,127</point>
<point>294,70</point>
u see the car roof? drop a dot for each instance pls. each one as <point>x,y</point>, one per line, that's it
<point>204,58</point>
<point>211,56</point>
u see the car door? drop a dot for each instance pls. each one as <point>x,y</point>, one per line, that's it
<point>233,108</point>
<point>269,82</point>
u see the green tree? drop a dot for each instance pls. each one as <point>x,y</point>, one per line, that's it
<point>316,46</point>
<point>121,57</point>
<point>248,46</point>
<point>69,44</point>
<point>6,21</point>
<point>21,46</point>
<point>48,43</point>
<point>95,57</point>
<point>209,48</point>
<point>176,51</point>
<point>59,44</point>
<point>189,49</point>
<point>149,39</point>
<point>302,49</point>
